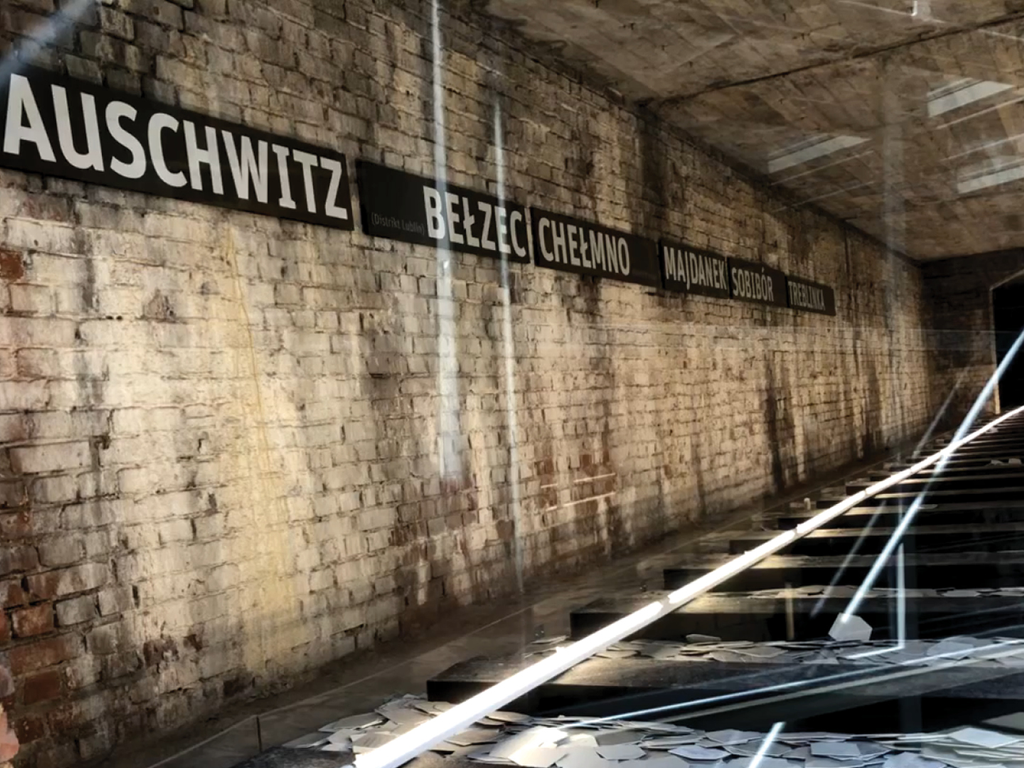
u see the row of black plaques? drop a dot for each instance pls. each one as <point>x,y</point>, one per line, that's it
<point>415,209</point>
<point>58,126</point>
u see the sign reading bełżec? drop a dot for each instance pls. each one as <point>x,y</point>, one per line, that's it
<point>62,127</point>
<point>416,209</point>
<point>571,245</point>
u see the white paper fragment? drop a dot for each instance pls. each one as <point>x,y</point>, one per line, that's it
<point>983,738</point>
<point>694,752</point>
<point>620,752</point>
<point>368,741</point>
<point>731,736</point>
<point>618,736</point>
<point>531,737</point>
<point>475,736</point>
<point>538,757</point>
<point>307,740</point>
<point>847,627</point>
<point>698,638</point>
<point>355,721</point>
<point>838,749</point>
<point>583,758</point>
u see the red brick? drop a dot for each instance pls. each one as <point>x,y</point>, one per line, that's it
<point>18,559</point>
<point>11,594</point>
<point>41,687</point>
<point>67,581</point>
<point>30,728</point>
<point>37,620</point>
<point>42,653</point>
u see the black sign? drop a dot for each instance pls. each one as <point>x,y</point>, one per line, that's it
<point>61,127</point>
<point>693,270</point>
<point>811,297</point>
<point>756,282</point>
<point>414,209</point>
<point>571,245</point>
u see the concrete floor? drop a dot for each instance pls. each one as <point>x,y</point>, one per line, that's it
<point>362,681</point>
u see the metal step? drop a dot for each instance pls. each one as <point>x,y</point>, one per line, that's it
<point>738,616</point>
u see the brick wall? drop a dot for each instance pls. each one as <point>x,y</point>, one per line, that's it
<point>959,301</point>
<point>218,431</point>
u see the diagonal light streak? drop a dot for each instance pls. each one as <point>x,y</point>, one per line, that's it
<point>870,523</point>
<point>421,738</point>
<point>915,506</point>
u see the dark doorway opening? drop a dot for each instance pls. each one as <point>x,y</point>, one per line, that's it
<point>1008,317</point>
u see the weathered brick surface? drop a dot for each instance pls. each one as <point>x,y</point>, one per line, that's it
<point>219,432</point>
<point>959,300</point>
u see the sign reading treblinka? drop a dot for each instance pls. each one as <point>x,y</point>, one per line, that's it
<point>62,127</point>
<point>571,245</point>
<point>415,209</point>
<point>758,283</point>
<point>693,270</point>
<point>811,297</point>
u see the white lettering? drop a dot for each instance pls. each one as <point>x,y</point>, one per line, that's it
<point>158,123</point>
<point>502,230</point>
<point>515,221</point>
<point>337,170</point>
<point>308,161</point>
<point>432,206</point>
<point>21,104</point>
<point>571,237</point>
<point>136,169</point>
<point>453,218</point>
<point>93,155</point>
<point>467,221</point>
<point>545,251</point>
<point>558,237</point>
<point>209,156</point>
<point>623,256</point>
<point>597,248</point>
<point>286,200</point>
<point>611,264</point>
<point>246,168</point>
<point>485,237</point>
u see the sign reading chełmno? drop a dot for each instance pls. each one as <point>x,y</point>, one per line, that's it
<point>62,127</point>
<point>693,270</point>
<point>416,209</point>
<point>758,283</point>
<point>571,245</point>
<point>811,297</point>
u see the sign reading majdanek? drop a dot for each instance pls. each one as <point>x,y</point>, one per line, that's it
<point>571,245</point>
<point>62,127</point>
<point>811,297</point>
<point>415,209</point>
<point>693,270</point>
<point>756,282</point>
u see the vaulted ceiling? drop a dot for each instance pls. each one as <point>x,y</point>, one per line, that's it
<point>903,117</point>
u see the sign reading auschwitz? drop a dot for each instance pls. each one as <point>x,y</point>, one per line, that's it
<point>693,270</point>
<point>62,127</point>
<point>757,282</point>
<point>415,209</point>
<point>571,245</point>
<point>811,297</point>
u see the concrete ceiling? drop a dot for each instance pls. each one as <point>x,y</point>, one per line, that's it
<point>904,118</point>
